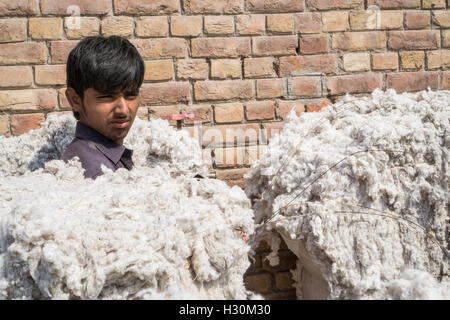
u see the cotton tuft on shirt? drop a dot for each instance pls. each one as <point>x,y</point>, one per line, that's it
<point>94,149</point>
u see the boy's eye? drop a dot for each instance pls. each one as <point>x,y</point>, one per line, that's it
<point>107,96</point>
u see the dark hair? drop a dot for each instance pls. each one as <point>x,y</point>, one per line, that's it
<point>106,64</point>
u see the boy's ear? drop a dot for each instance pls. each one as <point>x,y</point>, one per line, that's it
<point>74,99</point>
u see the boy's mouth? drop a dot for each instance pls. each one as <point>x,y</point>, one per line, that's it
<point>120,123</point>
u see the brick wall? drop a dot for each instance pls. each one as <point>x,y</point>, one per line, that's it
<point>238,65</point>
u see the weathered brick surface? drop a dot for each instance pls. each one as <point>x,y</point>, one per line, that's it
<point>261,283</point>
<point>412,81</point>
<point>433,4</point>
<point>161,48</point>
<point>15,76</point>
<point>226,68</point>
<point>228,112</point>
<point>181,26</point>
<point>152,26</point>
<point>157,112</point>
<point>219,25</point>
<point>87,7</point>
<point>304,86</point>
<point>4,125</point>
<point>259,67</point>
<point>23,53</point>
<point>13,30</point>
<point>445,80</point>
<point>280,23</point>
<point>50,75</point>
<point>22,123</point>
<point>390,20</point>
<point>27,100</point>
<point>45,28</point>
<point>301,65</point>
<point>223,90</point>
<point>313,43</point>
<point>307,22</point>
<point>234,177</point>
<point>214,6</point>
<point>259,110</point>
<point>59,50</point>
<point>394,4</point>
<point>285,106</point>
<point>19,7</point>
<point>334,4</point>
<point>414,39</point>
<point>274,6</point>
<point>283,280</point>
<point>438,59</point>
<point>158,70</point>
<point>192,69</point>
<point>385,61</point>
<point>417,19</point>
<point>238,134</point>
<point>254,24</point>
<point>163,93</point>
<point>146,7</point>
<point>442,18</point>
<point>275,45</point>
<point>359,41</point>
<point>335,21</point>
<point>270,88</point>
<point>89,26</point>
<point>412,59</point>
<point>357,61</point>
<point>229,157</point>
<point>202,113</point>
<point>358,83</point>
<point>446,38</point>
<point>220,47</point>
<point>120,26</point>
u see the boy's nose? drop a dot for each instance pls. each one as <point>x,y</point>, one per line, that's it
<point>121,105</point>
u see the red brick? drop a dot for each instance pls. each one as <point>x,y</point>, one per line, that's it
<point>285,106</point>
<point>87,7</point>
<point>414,39</point>
<point>62,100</point>
<point>445,80</point>
<point>412,81</point>
<point>335,21</point>
<point>359,41</point>
<point>394,4</point>
<point>334,4</point>
<point>274,6</point>
<point>13,29</point>
<point>280,23</point>
<point>270,88</point>
<point>27,100</point>
<point>23,53</point>
<point>275,45</point>
<point>15,76</point>
<point>60,50</point>
<point>231,134</point>
<point>317,107</point>
<point>260,110</point>
<point>357,83</point>
<point>226,69</point>
<point>301,65</point>
<point>161,48</point>
<point>356,61</point>
<point>314,43</point>
<point>214,6</point>
<point>19,7</point>
<point>146,7</point>
<point>305,86</point>
<point>157,112</point>
<point>89,26</point>
<point>385,61</point>
<point>167,92</point>
<point>417,19</point>
<point>45,28</point>
<point>220,47</point>
<point>186,26</point>
<point>219,25</point>
<point>307,22</point>
<point>259,67</point>
<point>224,90</point>
<point>156,70</point>
<point>119,26</point>
<point>192,69</point>
<point>202,113</point>
<point>445,38</point>
<point>251,25</point>
<point>228,112</point>
<point>50,74</point>
<point>152,27</point>
<point>22,123</point>
<point>391,19</point>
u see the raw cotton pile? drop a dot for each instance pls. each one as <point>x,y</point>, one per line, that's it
<point>360,193</point>
<point>154,232</point>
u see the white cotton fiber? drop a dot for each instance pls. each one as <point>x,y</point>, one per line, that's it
<point>154,232</point>
<point>380,204</point>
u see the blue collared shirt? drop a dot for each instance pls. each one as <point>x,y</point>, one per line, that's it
<point>94,149</point>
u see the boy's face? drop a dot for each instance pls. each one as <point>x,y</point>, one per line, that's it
<point>109,114</point>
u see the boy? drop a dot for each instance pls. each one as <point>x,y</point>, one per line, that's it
<point>104,75</point>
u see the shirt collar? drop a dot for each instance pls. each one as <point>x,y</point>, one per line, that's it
<point>109,148</point>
